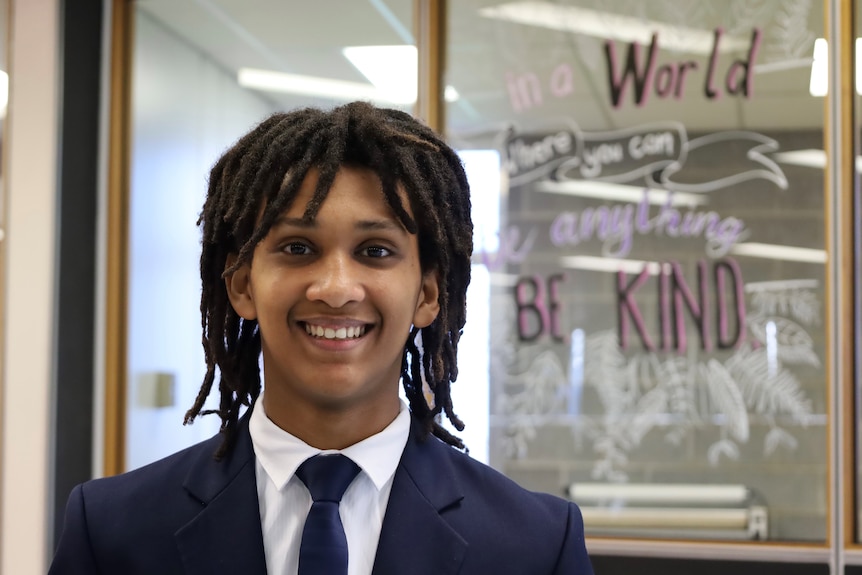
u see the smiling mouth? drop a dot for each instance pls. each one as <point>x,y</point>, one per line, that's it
<point>351,332</point>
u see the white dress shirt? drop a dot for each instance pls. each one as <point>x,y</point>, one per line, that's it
<point>284,500</point>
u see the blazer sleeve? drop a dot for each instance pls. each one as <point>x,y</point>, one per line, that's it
<point>74,552</point>
<point>573,559</point>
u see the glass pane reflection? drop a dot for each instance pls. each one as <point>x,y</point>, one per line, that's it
<point>657,286</point>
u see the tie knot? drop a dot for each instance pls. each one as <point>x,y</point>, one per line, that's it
<point>327,476</point>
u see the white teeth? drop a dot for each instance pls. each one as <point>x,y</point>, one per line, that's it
<point>330,333</point>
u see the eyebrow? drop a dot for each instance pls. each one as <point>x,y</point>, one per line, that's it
<point>364,225</point>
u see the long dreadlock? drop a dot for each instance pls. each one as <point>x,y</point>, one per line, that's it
<point>264,171</point>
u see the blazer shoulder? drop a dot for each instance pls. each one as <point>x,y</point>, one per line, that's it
<point>170,470</point>
<point>482,479</point>
<point>510,529</point>
<point>125,521</point>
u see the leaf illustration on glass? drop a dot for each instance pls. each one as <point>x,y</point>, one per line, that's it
<point>676,377</point>
<point>768,394</point>
<point>802,305</point>
<point>645,416</point>
<point>724,447</point>
<point>538,394</point>
<point>682,16</point>
<point>540,386</point>
<point>519,433</point>
<point>608,468</point>
<point>792,342</point>
<point>805,307</point>
<point>612,446</point>
<point>604,369</point>
<point>504,345</point>
<point>747,14</point>
<point>791,37</point>
<point>776,438</point>
<point>726,399</point>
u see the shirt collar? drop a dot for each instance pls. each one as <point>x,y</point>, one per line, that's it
<point>281,453</point>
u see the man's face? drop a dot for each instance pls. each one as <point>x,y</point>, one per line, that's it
<point>335,299</point>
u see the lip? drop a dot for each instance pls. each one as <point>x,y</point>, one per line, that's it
<point>333,322</point>
<point>335,344</point>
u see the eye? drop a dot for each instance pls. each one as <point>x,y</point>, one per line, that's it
<point>375,252</point>
<point>297,249</point>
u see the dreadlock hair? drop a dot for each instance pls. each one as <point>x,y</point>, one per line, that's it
<point>257,179</point>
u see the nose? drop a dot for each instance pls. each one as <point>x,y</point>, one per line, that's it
<point>336,281</point>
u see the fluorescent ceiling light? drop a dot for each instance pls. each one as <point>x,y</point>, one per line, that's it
<point>778,285</point>
<point>810,158</point>
<point>600,264</point>
<point>619,192</point>
<point>310,86</point>
<point>768,251</point>
<point>777,252</point>
<point>612,26</point>
<point>393,70</point>
<point>818,85</point>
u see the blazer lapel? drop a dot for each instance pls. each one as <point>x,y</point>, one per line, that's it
<point>415,538</point>
<point>225,537</point>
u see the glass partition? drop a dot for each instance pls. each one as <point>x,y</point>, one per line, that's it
<point>203,74</point>
<point>655,258</point>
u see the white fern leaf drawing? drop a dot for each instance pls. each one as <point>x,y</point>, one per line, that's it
<point>727,399</point>
<point>540,386</point>
<point>531,394</point>
<point>805,307</point>
<point>801,304</point>
<point>604,370</point>
<point>748,14</point>
<point>776,438</point>
<point>792,343</point>
<point>724,447</point>
<point>793,39</point>
<point>644,419</point>
<point>606,470</point>
<point>676,377</point>
<point>765,393</point>
<point>683,14</point>
<point>613,449</point>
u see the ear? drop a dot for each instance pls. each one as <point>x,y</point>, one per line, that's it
<point>239,292</point>
<point>427,305</point>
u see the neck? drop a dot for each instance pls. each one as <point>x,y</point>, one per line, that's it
<point>331,427</point>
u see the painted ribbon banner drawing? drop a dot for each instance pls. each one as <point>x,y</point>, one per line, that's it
<point>652,154</point>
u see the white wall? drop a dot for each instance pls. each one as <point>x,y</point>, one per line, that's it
<point>186,112</point>
<point>31,188</point>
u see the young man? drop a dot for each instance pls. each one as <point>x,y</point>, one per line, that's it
<point>336,245</point>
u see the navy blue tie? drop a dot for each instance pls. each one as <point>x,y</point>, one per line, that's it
<point>324,546</point>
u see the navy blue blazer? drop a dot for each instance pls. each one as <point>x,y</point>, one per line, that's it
<point>191,514</point>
